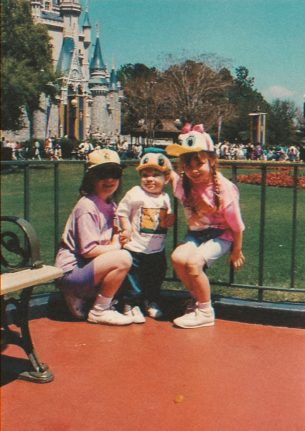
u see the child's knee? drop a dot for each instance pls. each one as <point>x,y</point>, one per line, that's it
<point>177,258</point>
<point>125,261</point>
<point>194,265</point>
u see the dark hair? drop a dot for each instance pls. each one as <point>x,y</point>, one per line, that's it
<point>111,170</point>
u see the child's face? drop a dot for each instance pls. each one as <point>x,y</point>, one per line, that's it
<point>107,181</point>
<point>104,189</point>
<point>197,167</point>
<point>152,180</point>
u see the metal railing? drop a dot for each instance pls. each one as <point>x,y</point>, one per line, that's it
<point>297,170</point>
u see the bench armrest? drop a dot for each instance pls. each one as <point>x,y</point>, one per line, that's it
<point>20,246</point>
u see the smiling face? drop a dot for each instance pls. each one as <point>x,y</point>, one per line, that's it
<point>152,180</point>
<point>104,188</point>
<point>197,167</point>
<point>107,180</point>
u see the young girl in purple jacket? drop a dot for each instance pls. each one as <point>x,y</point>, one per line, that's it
<point>90,253</point>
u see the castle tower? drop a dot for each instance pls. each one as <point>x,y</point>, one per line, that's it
<point>99,86</point>
<point>70,11</point>
<point>87,29</point>
<point>73,66</point>
<point>86,43</point>
<point>36,9</point>
<point>115,97</point>
<point>88,95</point>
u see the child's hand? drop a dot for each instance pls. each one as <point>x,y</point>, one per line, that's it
<point>115,240</point>
<point>169,220</point>
<point>124,237</point>
<point>237,259</point>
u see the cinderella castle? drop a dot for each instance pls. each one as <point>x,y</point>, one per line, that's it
<point>89,101</point>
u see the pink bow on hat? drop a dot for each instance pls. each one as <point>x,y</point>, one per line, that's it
<point>188,127</point>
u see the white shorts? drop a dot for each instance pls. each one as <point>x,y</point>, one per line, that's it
<point>209,250</point>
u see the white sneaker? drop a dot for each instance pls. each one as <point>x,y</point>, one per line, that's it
<point>110,316</point>
<point>153,310</point>
<point>135,313</point>
<point>196,318</point>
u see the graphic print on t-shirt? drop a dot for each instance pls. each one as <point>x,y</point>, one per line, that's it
<point>153,220</point>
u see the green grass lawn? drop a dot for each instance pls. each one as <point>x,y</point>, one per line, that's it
<point>278,225</point>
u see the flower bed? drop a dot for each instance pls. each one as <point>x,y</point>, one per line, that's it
<point>276,179</point>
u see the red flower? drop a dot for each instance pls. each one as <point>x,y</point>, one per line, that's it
<point>277,179</point>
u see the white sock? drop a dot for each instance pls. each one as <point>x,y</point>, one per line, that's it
<point>102,302</point>
<point>205,306</point>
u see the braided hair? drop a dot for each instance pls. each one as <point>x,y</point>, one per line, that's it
<point>186,183</point>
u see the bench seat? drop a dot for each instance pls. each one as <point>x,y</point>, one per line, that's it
<point>22,271</point>
<point>14,281</point>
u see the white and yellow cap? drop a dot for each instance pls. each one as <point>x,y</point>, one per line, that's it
<point>99,158</point>
<point>155,160</point>
<point>191,142</point>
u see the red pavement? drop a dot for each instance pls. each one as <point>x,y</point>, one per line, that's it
<point>231,377</point>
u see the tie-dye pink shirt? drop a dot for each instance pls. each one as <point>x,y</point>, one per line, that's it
<point>228,217</point>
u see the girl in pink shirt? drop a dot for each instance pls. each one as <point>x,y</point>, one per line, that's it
<point>215,226</point>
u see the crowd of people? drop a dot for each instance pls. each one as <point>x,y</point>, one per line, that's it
<point>51,149</point>
<point>118,143</point>
<point>110,252</point>
<point>239,151</point>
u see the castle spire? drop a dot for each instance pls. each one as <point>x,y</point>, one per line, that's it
<point>87,28</point>
<point>97,62</point>
<point>86,21</point>
<point>113,78</point>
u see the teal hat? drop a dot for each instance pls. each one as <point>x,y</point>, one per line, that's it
<point>154,150</point>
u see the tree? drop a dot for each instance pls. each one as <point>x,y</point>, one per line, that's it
<point>282,123</point>
<point>191,90</point>
<point>26,63</point>
<point>245,99</point>
<point>300,126</point>
<point>130,72</point>
<point>197,92</point>
<point>243,80</point>
<point>139,102</point>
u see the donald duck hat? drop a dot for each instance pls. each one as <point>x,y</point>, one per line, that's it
<point>192,141</point>
<point>154,158</point>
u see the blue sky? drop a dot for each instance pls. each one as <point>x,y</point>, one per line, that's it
<point>266,36</point>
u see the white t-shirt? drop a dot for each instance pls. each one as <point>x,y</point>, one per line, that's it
<point>146,212</point>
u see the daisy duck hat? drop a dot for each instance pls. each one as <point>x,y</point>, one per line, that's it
<point>156,159</point>
<point>191,140</point>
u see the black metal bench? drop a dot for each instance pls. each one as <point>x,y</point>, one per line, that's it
<point>22,270</point>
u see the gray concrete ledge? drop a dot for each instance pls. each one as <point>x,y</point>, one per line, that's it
<point>266,313</point>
